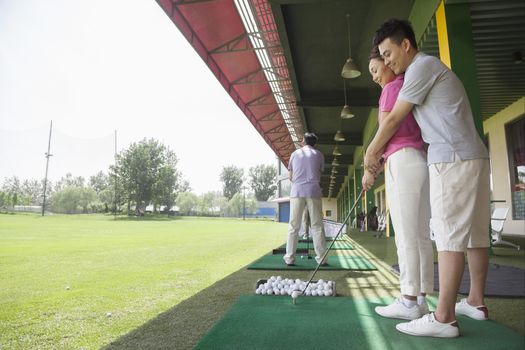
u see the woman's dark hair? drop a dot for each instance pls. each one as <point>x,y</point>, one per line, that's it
<point>374,53</point>
<point>396,30</point>
<point>310,139</point>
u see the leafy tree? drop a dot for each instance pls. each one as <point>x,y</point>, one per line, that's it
<point>168,182</point>
<point>69,181</point>
<point>231,177</point>
<point>32,192</point>
<point>184,186</point>
<point>12,186</point>
<point>212,203</point>
<point>187,202</point>
<point>99,182</point>
<point>4,199</point>
<point>138,169</point>
<point>104,187</point>
<point>263,181</point>
<point>75,199</point>
<point>238,203</point>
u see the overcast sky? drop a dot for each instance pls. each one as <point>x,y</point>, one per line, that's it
<point>97,66</point>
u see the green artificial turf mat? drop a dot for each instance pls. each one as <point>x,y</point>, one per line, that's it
<point>335,262</point>
<point>273,322</point>
<point>338,245</point>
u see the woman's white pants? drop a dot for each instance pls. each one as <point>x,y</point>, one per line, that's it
<point>407,190</point>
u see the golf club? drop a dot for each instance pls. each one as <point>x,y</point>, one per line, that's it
<point>296,293</point>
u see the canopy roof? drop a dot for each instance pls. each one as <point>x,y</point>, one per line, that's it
<point>281,60</point>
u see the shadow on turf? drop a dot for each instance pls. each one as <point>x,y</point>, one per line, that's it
<point>182,326</point>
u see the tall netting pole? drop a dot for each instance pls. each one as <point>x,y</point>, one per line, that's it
<point>115,180</point>
<point>48,154</point>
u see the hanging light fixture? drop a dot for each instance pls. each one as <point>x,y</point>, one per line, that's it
<point>345,112</point>
<point>350,69</point>
<point>334,171</point>
<point>339,136</point>
<point>336,151</point>
<point>335,162</point>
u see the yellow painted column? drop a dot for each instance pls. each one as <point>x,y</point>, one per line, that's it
<point>441,25</point>
<point>456,50</point>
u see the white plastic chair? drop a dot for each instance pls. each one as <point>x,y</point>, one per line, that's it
<point>499,215</point>
<point>381,225</point>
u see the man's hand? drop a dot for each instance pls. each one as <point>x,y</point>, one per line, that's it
<point>368,180</point>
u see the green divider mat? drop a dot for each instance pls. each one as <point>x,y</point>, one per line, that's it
<point>273,322</point>
<point>335,262</point>
<point>338,245</point>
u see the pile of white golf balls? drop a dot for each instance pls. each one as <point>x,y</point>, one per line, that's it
<point>276,285</point>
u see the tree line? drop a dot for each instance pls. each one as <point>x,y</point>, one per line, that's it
<point>145,177</point>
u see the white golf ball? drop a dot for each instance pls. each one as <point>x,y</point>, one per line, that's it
<point>269,292</point>
<point>314,293</point>
<point>308,292</point>
<point>278,278</point>
<point>283,292</point>
<point>297,281</point>
<point>320,281</point>
<point>272,278</point>
<point>327,293</point>
<point>279,285</point>
<point>295,294</point>
<point>258,291</point>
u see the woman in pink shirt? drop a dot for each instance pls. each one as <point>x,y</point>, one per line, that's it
<point>407,191</point>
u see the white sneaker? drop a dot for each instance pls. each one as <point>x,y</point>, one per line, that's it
<point>480,313</point>
<point>399,310</point>
<point>288,261</point>
<point>428,326</point>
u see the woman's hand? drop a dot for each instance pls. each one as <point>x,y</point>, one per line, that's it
<point>368,180</point>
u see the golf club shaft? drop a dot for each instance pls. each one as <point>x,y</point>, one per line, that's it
<point>333,241</point>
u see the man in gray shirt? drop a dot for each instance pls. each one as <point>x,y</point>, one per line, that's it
<point>305,166</point>
<point>459,174</point>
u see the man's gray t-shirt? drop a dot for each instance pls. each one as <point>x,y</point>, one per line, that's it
<point>442,111</point>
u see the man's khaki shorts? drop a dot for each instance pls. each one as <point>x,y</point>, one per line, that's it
<point>460,204</point>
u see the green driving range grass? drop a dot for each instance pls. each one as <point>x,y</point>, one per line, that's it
<point>82,281</point>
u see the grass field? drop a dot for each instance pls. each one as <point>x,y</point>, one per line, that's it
<point>165,282</point>
<point>80,282</point>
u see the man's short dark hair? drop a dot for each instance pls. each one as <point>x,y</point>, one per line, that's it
<point>396,30</point>
<point>310,138</point>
